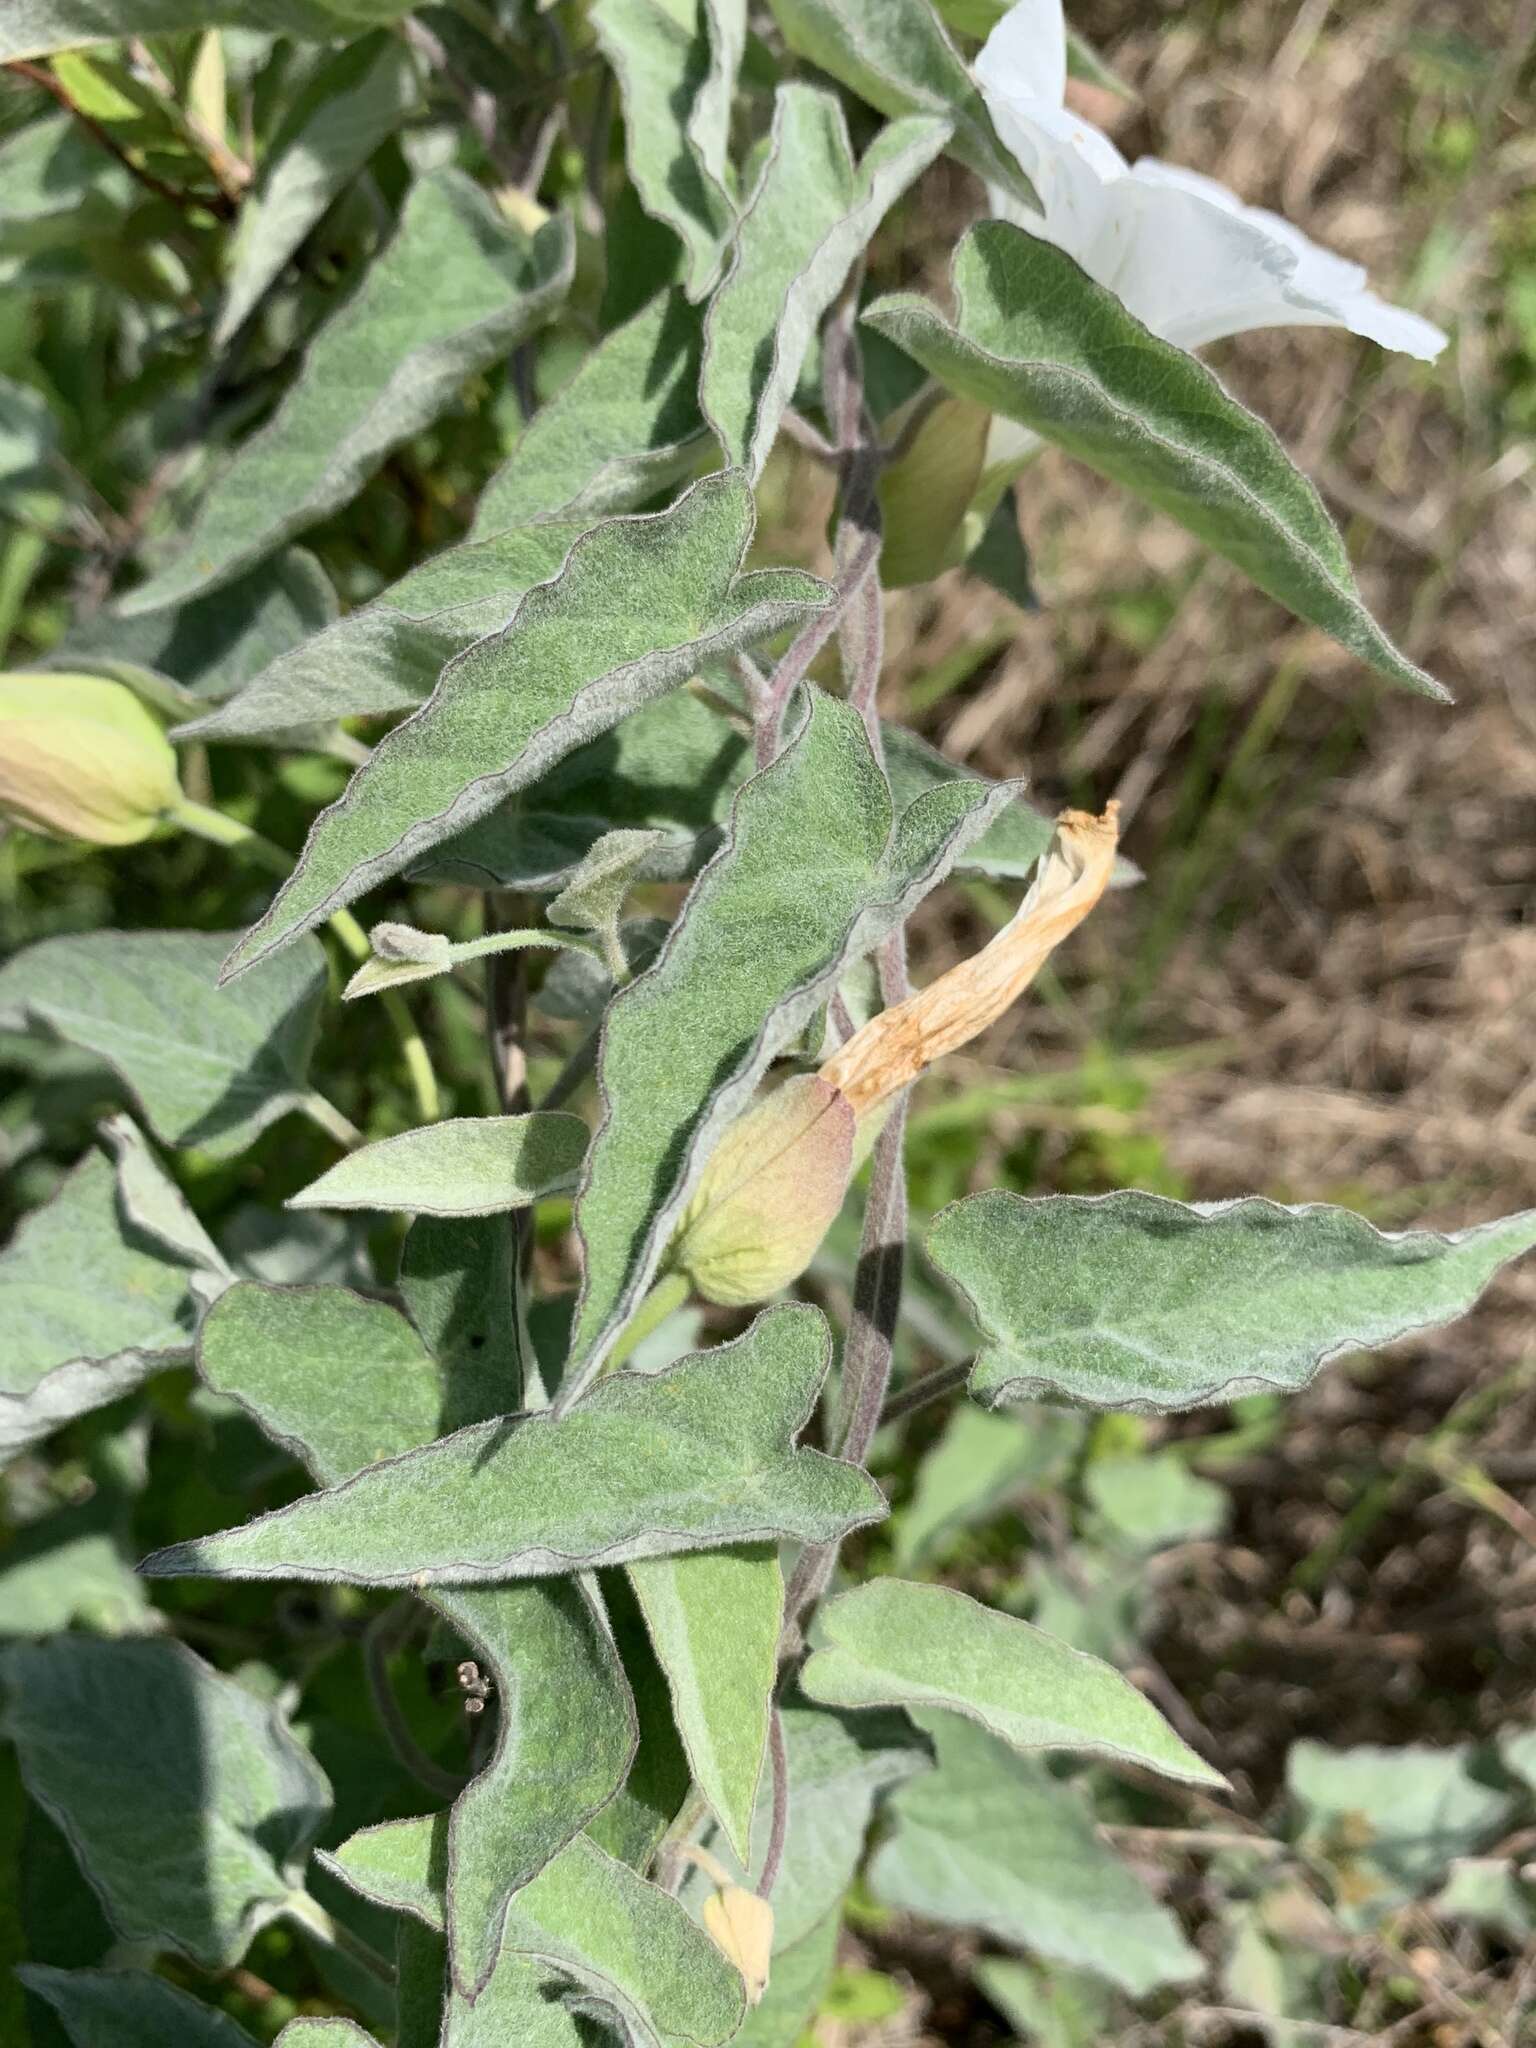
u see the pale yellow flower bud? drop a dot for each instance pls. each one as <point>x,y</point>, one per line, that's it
<point>738,1922</point>
<point>769,1194</point>
<point>892,1049</point>
<point>82,758</point>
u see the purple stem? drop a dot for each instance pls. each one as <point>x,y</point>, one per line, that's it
<point>778,1757</point>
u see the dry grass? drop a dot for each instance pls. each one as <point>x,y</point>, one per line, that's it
<point>1337,918</point>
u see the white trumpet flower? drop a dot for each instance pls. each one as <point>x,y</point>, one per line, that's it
<point>1179,250</point>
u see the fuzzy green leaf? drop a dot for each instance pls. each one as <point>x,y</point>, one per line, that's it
<point>677,766</point>
<point>814,874</point>
<point>71,1348</point>
<point>339,1381</point>
<point>35,28</point>
<point>663,54</point>
<point>839,1766</point>
<point>808,220</point>
<point>593,899</point>
<point>389,654</point>
<point>354,102</point>
<point>715,1620</point>
<point>894,1644</point>
<point>627,1944</point>
<point>991,1841</point>
<point>640,603</point>
<point>450,294</point>
<point>1134,1301</point>
<point>897,55</point>
<point>209,1067</point>
<point>214,646</point>
<point>979,1463</point>
<point>622,429</point>
<point>189,1804</point>
<point>565,1738</point>
<point>1034,338</point>
<point>522,2003</point>
<point>467,1166</point>
<point>692,1458</point>
<point>324,2033</point>
<point>130,2009</point>
<point>1390,1820</point>
<point>342,1382</point>
<point>459,1282</point>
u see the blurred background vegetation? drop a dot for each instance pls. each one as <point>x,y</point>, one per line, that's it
<point>1324,987</point>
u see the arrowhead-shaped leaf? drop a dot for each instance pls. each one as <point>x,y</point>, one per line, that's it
<point>813,874</point>
<point>70,1348</point>
<point>894,1644</point>
<point>640,603</point>
<point>453,290</point>
<point>1036,339</point>
<point>693,1458</point>
<point>626,1943</point>
<point>130,2009</point>
<point>208,1066</point>
<point>621,430</point>
<point>715,1620</point>
<point>389,654</point>
<point>565,1737</point>
<point>1133,1301</point>
<point>188,1802</point>
<point>663,57</point>
<point>808,220</point>
<point>990,1840</point>
<point>343,1382</point>
<point>897,55</point>
<point>466,1166</point>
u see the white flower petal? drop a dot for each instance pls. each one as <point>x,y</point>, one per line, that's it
<point>1025,57</point>
<point>1206,266</point>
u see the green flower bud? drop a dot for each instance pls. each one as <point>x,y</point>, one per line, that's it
<point>82,758</point>
<point>769,1194</point>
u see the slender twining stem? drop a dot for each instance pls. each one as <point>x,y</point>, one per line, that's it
<point>219,203</point>
<point>933,1386</point>
<point>803,650</point>
<point>225,831</point>
<point>778,1828</point>
<point>309,1913</point>
<point>324,1113</point>
<point>385,1634</point>
<point>868,1351</point>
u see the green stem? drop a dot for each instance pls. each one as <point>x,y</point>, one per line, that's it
<point>330,1119</point>
<point>669,1293</point>
<point>223,831</point>
<point>309,1913</point>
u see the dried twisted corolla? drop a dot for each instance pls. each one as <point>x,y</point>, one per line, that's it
<point>777,1179</point>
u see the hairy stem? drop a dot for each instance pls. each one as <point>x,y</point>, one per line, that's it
<point>385,1634</point>
<point>778,1760</point>
<point>224,831</point>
